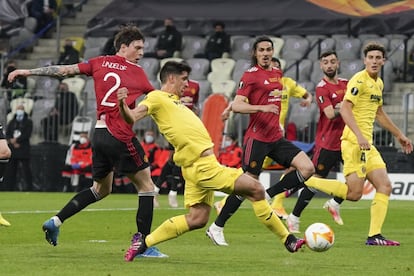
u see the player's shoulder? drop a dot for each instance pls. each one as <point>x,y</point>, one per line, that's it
<point>322,83</point>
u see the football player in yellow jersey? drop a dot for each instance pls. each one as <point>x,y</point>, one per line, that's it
<point>362,105</point>
<point>194,153</point>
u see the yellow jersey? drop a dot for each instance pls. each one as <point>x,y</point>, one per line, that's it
<point>290,89</point>
<point>365,93</point>
<point>180,126</point>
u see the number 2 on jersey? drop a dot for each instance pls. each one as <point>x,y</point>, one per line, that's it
<point>115,87</point>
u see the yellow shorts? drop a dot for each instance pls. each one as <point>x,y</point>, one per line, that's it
<point>205,176</point>
<point>360,161</point>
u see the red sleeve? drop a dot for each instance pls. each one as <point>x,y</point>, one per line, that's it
<point>322,97</point>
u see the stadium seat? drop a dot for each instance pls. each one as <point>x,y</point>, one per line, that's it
<point>76,85</point>
<point>41,109</point>
<point>193,45</point>
<point>89,88</point>
<point>277,45</point>
<point>22,38</point>
<point>151,67</point>
<point>31,84</point>
<point>92,52</point>
<point>348,67</point>
<point>348,47</point>
<point>396,54</point>
<point>26,102</point>
<point>30,23</point>
<point>205,91</point>
<point>80,124</point>
<point>305,119</point>
<point>45,87</point>
<point>324,45</point>
<point>301,73</point>
<point>383,40</point>
<point>317,73</point>
<point>295,48</point>
<point>308,85</point>
<point>149,44</point>
<point>388,76</point>
<point>199,68</point>
<point>95,42</point>
<point>226,87</point>
<point>222,68</point>
<point>239,68</point>
<point>241,47</point>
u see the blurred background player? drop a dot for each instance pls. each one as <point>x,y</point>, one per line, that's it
<point>231,153</point>
<point>78,165</point>
<point>5,154</point>
<point>190,96</point>
<point>327,152</point>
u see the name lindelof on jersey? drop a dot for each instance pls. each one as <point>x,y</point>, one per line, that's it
<point>114,65</point>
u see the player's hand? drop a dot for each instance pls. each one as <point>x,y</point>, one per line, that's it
<point>122,94</point>
<point>18,72</point>
<point>363,143</point>
<point>406,144</point>
<point>306,102</point>
<point>226,114</point>
<point>270,108</point>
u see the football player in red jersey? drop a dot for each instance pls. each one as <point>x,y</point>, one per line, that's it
<point>260,94</point>
<point>114,142</point>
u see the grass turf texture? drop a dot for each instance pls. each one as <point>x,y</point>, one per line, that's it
<point>94,241</point>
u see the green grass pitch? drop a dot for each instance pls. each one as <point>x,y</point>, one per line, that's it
<point>93,242</point>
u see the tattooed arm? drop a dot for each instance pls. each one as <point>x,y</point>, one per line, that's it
<point>53,71</point>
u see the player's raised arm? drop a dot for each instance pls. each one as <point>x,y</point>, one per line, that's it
<point>53,71</point>
<point>129,115</point>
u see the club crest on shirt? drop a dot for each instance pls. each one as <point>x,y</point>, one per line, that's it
<point>241,84</point>
<point>354,91</point>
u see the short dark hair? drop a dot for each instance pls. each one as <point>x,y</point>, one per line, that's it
<point>173,67</point>
<point>126,35</point>
<point>374,46</point>
<point>254,48</point>
<point>328,53</point>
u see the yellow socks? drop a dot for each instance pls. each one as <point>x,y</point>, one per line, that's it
<point>379,207</point>
<point>266,216</point>
<point>329,186</point>
<point>169,229</point>
<point>278,201</point>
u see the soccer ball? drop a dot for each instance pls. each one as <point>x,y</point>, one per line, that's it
<point>319,237</point>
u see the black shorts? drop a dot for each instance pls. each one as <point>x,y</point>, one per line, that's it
<point>324,160</point>
<point>108,153</point>
<point>254,153</point>
<point>2,132</point>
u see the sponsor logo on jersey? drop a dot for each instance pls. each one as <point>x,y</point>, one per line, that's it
<point>354,91</point>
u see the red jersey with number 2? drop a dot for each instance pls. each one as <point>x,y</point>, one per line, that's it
<point>109,74</point>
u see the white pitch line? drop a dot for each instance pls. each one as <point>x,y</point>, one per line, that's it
<point>133,209</point>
